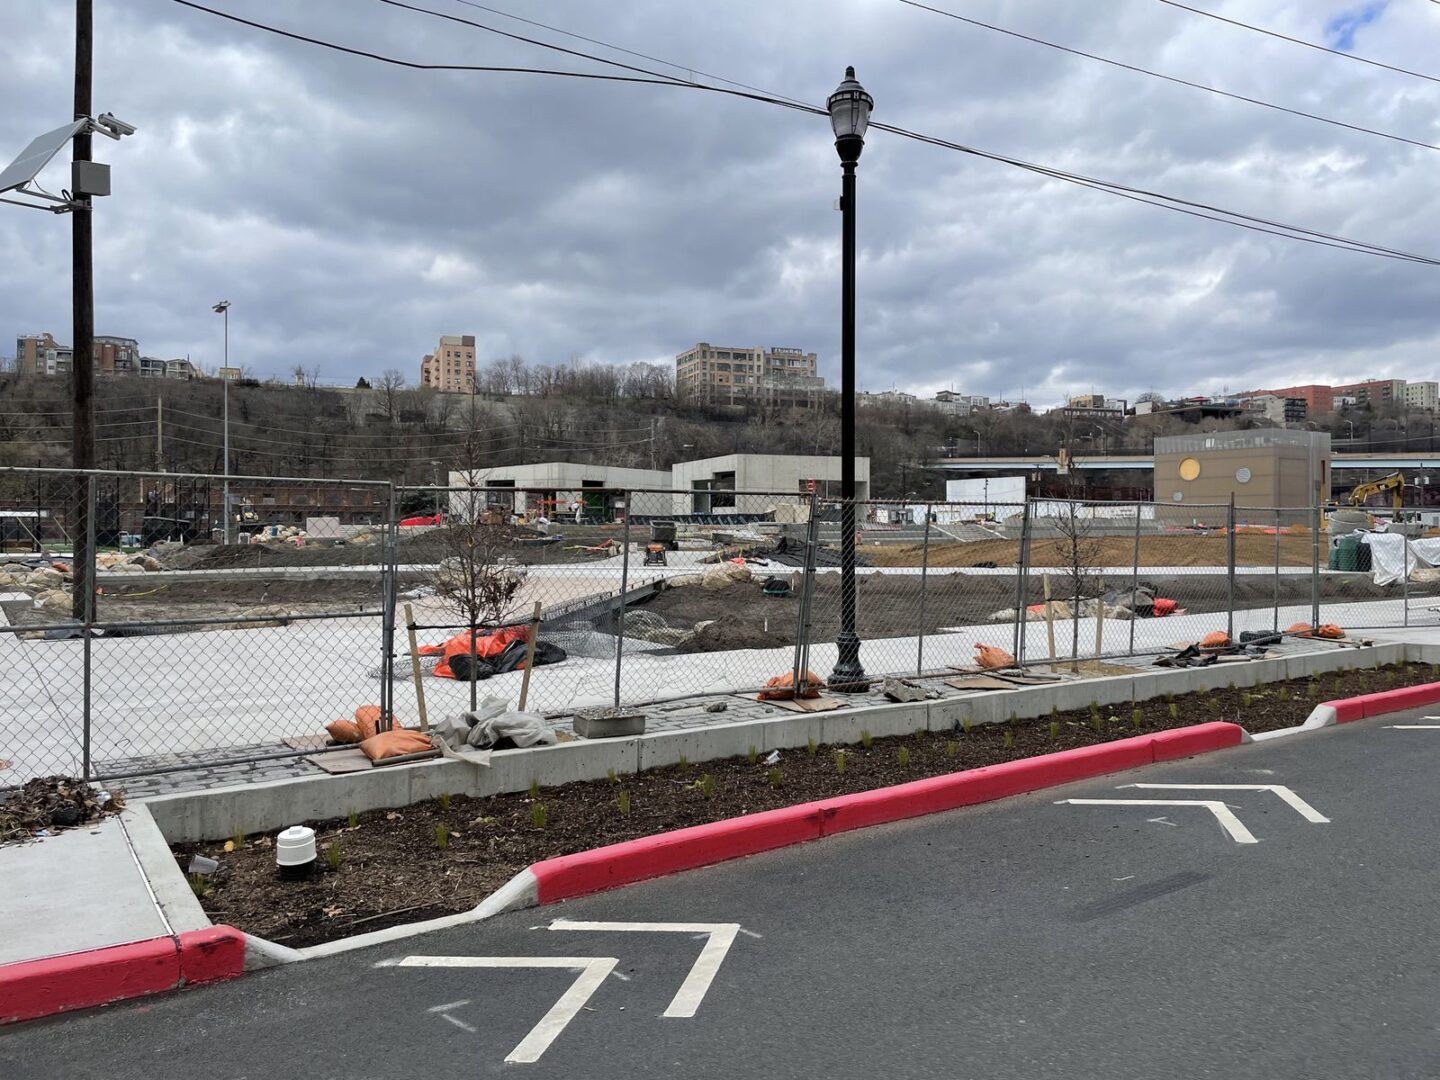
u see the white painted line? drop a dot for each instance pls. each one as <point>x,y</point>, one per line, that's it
<point>461,1024</point>
<point>1162,821</point>
<point>593,971</point>
<point>1299,805</point>
<point>719,938</point>
<point>448,1006</point>
<point>1223,814</point>
<point>1414,727</point>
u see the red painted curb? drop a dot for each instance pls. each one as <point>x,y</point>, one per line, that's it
<point>1385,701</point>
<point>56,984</point>
<point>700,845</point>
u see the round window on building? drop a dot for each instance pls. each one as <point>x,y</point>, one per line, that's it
<point>1179,496</point>
<point>1189,469</point>
<point>1242,475</point>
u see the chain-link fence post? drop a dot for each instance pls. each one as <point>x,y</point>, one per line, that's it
<point>388,574</point>
<point>807,592</point>
<point>1023,566</point>
<point>620,600</point>
<point>1230,568</point>
<point>1275,607</point>
<point>1404,576</point>
<point>1135,575</point>
<point>1315,561</point>
<point>924,574</point>
<point>83,577</point>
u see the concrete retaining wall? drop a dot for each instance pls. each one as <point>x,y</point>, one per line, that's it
<point>216,814</point>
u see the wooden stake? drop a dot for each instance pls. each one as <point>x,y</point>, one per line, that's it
<point>529,657</point>
<point>1099,625</point>
<point>415,668</point>
<point>1049,619</point>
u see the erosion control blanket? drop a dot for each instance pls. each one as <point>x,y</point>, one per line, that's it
<point>1393,558</point>
<point>494,652</point>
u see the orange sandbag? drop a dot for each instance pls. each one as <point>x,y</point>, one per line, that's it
<point>781,687</point>
<point>1300,629</point>
<point>367,719</point>
<point>1216,639</point>
<point>988,656</point>
<point>344,731</point>
<point>1329,630</point>
<point>395,743</point>
<point>488,644</point>
<point>1163,606</point>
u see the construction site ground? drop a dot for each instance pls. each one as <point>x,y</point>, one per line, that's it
<point>1197,549</point>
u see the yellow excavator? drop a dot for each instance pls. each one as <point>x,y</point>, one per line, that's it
<point>1394,483</point>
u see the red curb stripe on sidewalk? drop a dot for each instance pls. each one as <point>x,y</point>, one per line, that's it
<point>1385,701</point>
<point>700,845</point>
<point>36,988</point>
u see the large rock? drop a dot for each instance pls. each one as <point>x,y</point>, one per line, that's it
<point>45,578</point>
<point>54,600</point>
<point>725,575</point>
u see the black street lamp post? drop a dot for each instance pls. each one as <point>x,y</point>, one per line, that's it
<point>850,108</point>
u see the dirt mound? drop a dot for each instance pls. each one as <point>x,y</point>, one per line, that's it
<point>52,802</point>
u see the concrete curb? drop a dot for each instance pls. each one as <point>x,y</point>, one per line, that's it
<point>1348,710</point>
<point>666,853</point>
<point>56,984</point>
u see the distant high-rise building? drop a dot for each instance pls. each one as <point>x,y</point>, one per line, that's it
<point>725,375</point>
<point>1422,395</point>
<point>451,367</point>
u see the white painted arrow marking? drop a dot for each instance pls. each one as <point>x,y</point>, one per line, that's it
<point>1223,814</point>
<point>593,971</point>
<point>720,936</point>
<point>1299,805</point>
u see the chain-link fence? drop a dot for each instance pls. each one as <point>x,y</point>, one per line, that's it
<point>155,621</point>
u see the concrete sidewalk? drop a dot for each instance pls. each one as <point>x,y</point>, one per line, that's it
<point>84,889</point>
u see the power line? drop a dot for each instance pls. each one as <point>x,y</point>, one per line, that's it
<point>1301,41</point>
<point>1166,78</point>
<point>1167,202</point>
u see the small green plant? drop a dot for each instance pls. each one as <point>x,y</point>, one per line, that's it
<point>535,789</point>
<point>1054,711</point>
<point>952,749</point>
<point>684,764</point>
<point>707,785</point>
<point>903,756</point>
<point>352,819</point>
<point>866,738</point>
<point>918,733</point>
<point>238,839</point>
<point>753,755</point>
<point>1245,699</point>
<point>199,886</point>
<point>773,777</point>
<point>1169,699</point>
<point>1213,704</point>
<point>1230,686</point>
<point>1054,730</point>
<point>1097,723</point>
<point>333,854</point>
<point>1174,711</point>
<point>538,815</point>
<point>1013,719</point>
<point>1094,712</point>
<point>1009,740</point>
<point>444,800</point>
<point>812,746</point>
<point>622,802</point>
<point>442,836</point>
<point>839,762</point>
<point>1137,717</point>
<point>610,775</point>
<point>965,725</point>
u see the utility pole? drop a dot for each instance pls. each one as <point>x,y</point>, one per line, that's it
<point>82,310</point>
<point>159,433</point>
<point>654,427</point>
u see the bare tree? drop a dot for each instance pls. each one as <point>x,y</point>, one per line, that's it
<point>1081,552</point>
<point>388,386</point>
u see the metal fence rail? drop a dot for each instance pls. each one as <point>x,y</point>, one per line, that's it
<point>171,650</point>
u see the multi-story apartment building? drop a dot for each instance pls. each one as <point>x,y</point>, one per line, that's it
<point>1373,392</point>
<point>1318,399</point>
<point>1277,409</point>
<point>1423,395</point>
<point>41,354</point>
<point>451,367</point>
<point>724,375</point>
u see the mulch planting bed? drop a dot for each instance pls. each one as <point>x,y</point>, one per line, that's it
<point>444,856</point>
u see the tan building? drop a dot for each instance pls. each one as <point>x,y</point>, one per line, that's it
<point>451,367</point>
<point>40,354</point>
<point>724,375</point>
<point>1423,395</point>
<point>1272,468</point>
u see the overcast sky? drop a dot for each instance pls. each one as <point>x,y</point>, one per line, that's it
<point>353,212</point>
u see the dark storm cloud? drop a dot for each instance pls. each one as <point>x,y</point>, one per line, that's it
<point>354,212</point>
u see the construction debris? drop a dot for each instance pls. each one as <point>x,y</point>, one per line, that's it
<point>53,802</point>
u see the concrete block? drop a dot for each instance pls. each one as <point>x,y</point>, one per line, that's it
<point>701,744</point>
<point>429,779</point>
<point>844,727</point>
<point>1149,685</point>
<point>276,804</point>
<point>552,766</point>
<point>947,713</point>
<point>608,727</point>
<point>792,732</point>
<point>1419,653</point>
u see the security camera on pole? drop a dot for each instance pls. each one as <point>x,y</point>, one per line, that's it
<point>850,108</point>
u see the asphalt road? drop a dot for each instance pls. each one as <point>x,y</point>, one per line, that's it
<point>1024,939</point>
